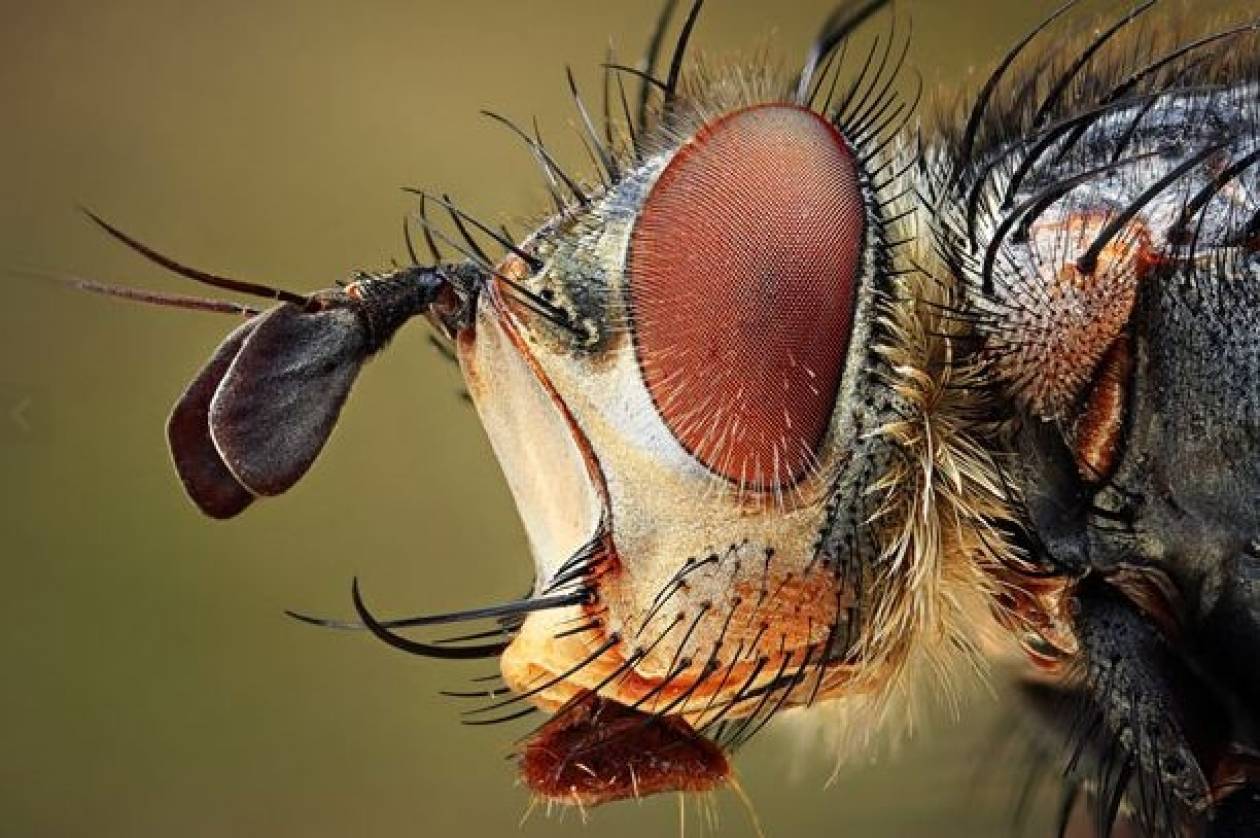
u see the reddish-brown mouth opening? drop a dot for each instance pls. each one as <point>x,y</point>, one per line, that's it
<point>595,751</point>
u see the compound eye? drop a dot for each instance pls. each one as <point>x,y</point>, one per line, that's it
<point>742,272</point>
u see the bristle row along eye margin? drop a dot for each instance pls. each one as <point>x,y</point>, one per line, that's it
<point>742,275</point>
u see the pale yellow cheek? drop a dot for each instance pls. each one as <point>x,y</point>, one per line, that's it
<point>546,469</point>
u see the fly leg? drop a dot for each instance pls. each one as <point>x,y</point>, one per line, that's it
<point>1147,705</point>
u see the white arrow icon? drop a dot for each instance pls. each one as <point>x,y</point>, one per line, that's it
<point>18,414</point>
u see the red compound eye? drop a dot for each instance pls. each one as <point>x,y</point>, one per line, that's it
<point>741,283</point>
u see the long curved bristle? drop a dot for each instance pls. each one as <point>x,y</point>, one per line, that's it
<point>835,31</point>
<point>150,297</point>
<point>507,609</point>
<point>981,105</point>
<point>680,53</point>
<point>415,647</point>
<point>650,57</point>
<point>226,283</point>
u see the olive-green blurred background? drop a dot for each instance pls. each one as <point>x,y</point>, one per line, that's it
<point>151,684</point>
